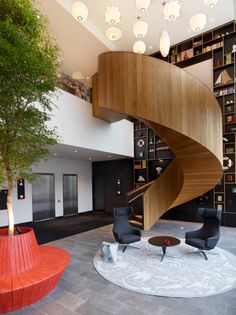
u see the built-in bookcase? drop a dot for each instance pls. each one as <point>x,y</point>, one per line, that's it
<point>151,154</point>
<point>220,45</point>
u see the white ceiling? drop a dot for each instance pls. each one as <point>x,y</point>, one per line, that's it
<point>75,153</point>
<point>81,43</point>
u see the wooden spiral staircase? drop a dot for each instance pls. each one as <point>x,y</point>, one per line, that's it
<point>179,108</point>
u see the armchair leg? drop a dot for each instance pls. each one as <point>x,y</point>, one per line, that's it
<point>125,248</point>
<point>204,254</point>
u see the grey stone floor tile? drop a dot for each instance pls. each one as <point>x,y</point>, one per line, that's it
<point>108,304</point>
<point>29,310</point>
<point>68,300</point>
<point>90,309</point>
<point>143,303</point>
<point>128,310</point>
<point>52,307</point>
<point>43,301</point>
<point>169,311</point>
<point>70,287</point>
<point>85,294</point>
<point>230,311</point>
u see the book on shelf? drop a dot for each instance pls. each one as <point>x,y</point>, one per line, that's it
<point>228,59</point>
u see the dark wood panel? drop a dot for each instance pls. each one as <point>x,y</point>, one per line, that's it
<point>110,172</point>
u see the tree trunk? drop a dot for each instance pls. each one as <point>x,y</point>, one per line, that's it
<point>10,207</point>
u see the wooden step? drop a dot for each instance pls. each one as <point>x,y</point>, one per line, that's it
<point>138,217</point>
<point>137,224</point>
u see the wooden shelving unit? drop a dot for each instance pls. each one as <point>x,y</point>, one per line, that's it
<point>151,154</point>
<point>219,45</point>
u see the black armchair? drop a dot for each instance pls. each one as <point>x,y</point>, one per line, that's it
<point>207,237</point>
<point>123,232</point>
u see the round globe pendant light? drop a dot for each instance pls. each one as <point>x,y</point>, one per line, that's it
<point>210,3</point>
<point>79,11</point>
<point>197,22</point>
<point>112,15</point>
<point>171,10</point>
<point>164,43</point>
<point>143,4</point>
<point>139,47</point>
<point>113,33</point>
<point>140,29</point>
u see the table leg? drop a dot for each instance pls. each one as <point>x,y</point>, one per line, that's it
<point>164,252</point>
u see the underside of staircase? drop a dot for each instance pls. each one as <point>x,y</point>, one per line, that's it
<point>179,108</point>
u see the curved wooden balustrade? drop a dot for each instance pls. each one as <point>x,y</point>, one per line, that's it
<point>181,110</point>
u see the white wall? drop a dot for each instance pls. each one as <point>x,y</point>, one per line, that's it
<point>77,127</point>
<point>23,208</point>
<point>203,72</point>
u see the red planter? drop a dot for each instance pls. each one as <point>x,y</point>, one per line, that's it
<point>28,272</point>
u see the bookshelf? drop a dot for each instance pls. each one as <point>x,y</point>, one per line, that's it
<point>219,45</point>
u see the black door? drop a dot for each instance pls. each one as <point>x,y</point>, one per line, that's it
<point>98,193</point>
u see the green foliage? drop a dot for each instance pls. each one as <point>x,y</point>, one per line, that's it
<point>28,76</point>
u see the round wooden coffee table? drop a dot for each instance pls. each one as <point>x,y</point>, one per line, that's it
<point>164,242</point>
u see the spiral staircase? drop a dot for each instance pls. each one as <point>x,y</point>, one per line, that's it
<point>179,108</point>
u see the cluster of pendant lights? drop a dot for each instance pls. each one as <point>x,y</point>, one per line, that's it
<point>171,11</point>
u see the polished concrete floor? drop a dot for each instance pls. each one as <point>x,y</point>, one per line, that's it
<point>83,291</point>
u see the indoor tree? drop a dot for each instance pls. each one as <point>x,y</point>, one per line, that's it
<point>28,77</point>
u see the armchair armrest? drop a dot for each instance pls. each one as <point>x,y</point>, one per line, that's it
<point>192,234</point>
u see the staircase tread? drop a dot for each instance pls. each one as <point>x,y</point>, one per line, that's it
<point>137,217</point>
<point>136,223</point>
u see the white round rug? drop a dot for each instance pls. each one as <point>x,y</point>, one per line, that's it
<point>182,273</point>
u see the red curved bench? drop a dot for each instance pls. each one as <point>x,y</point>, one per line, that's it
<point>28,272</point>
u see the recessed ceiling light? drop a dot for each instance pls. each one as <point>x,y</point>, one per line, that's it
<point>87,78</point>
<point>76,151</point>
<point>212,20</point>
<point>90,158</point>
<point>55,154</point>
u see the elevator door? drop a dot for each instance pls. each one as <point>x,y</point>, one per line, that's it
<point>43,197</point>
<point>70,194</point>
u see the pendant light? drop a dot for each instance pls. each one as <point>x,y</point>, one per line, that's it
<point>171,10</point>
<point>140,29</point>
<point>197,22</point>
<point>143,4</point>
<point>210,3</point>
<point>79,11</point>
<point>112,15</point>
<point>113,33</point>
<point>164,44</point>
<point>139,47</point>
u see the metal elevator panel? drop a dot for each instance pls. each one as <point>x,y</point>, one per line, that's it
<point>43,197</point>
<point>70,194</point>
